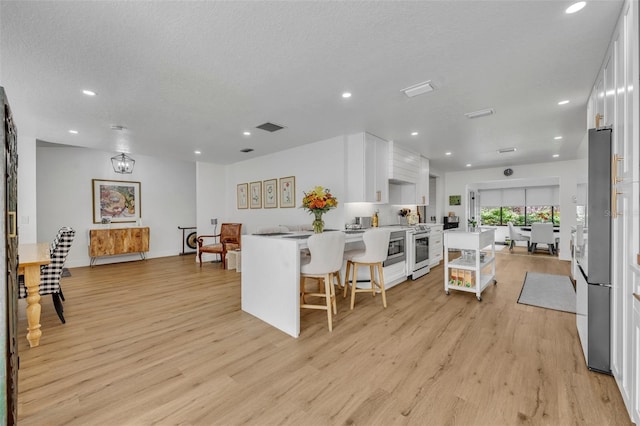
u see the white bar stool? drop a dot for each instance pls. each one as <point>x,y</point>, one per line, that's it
<point>326,250</point>
<point>376,244</point>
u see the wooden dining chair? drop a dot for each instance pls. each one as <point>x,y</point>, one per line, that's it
<point>228,239</point>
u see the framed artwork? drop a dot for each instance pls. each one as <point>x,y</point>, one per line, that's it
<point>255,195</point>
<point>270,188</point>
<point>116,201</point>
<point>242,196</point>
<point>454,200</point>
<point>288,191</point>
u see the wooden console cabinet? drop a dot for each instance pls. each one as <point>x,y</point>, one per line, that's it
<point>110,242</point>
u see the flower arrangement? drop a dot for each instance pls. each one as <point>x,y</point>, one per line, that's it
<point>404,212</point>
<point>319,201</point>
<point>472,222</point>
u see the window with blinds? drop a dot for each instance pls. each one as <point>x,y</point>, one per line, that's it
<point>521,206</point>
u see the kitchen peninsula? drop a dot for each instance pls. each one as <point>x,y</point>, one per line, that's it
<point>270,283</point>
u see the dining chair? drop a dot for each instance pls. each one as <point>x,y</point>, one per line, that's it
<point>516,236</point>
<point>230,235</point>
<point>50,274</point>
<point>324,264</point>
<point>376,248</point>
<point>542,233</point>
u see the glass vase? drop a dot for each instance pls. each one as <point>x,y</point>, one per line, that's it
<point>318,223</point>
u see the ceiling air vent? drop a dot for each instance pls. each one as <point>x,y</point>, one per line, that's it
<point>480,113</point>
<point>270,127</point>
<point>505,150</point>
<point>246,150</point>
<point>418,89</point>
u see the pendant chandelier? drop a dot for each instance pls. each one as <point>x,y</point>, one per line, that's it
<point>123,164</point>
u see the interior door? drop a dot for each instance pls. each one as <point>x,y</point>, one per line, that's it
<point>9,233</point>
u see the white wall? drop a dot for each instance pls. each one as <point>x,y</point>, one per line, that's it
<point>320,163</point>
<point>211,196</point>
<point>64,198</point>
<point>568,172</point>
<point>27,216</point>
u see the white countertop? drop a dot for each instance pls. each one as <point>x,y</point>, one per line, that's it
<point>301,237</point>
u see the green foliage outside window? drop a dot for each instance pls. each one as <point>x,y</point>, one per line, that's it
<point>495,216</point>
<point>490,215</point>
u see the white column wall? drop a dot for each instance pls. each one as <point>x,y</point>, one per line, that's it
<point>211,196</point>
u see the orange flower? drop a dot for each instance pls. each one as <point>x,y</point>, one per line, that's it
<point>319,200</point>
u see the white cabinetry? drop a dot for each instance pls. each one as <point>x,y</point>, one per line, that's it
<point>435,244</point>
<point>402,193</point>
<point>472,274</point>
<point>422,187</point>
<point>404,165</point>
<point>635,409</point>
<point>367,169</point>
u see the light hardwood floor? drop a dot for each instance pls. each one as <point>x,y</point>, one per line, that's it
<point>164,341</point>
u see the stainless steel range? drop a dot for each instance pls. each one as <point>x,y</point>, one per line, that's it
<point>418,251</point>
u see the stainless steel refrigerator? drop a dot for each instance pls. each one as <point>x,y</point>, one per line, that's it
<point>593,256</point>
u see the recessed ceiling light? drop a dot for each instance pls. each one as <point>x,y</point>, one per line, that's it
<point>197,152</point>
<point>480,113</point>
<point>414,133</point>
<point>447,153</point>
<point>566,101</point>
<point>418,89</point>
<point>468,164</point>
<point>246,133</point>
<point>576,7</point>
<point>556,155</point>
<point>558,138</point>
<point>89,92</point>
<point>246,150</point>
<point>73,132</point>
<point>346,95</point>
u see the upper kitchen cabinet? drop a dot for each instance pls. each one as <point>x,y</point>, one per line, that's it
<point>404,165</point>
<point>367,169</point>
<point>422,188</point>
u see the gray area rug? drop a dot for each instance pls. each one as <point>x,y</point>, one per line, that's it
<point>548,291</point>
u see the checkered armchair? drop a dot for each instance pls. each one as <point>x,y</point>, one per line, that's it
<point>50,274</point>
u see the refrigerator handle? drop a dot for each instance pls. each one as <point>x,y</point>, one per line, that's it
<point>614,180</point>
<point>614,169</point>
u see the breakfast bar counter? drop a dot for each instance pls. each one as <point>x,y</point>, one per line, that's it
<point>270,282</point>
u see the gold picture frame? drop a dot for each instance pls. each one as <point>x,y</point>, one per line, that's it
<point>255,195</point>
<point>287,192</point>
<point>242,195</point>
<point>270,189</point>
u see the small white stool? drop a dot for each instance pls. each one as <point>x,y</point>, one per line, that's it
<point>233,260</point>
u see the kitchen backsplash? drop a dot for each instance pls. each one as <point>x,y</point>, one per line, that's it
<point>387,213</point>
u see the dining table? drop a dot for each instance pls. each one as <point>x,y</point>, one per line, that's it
<point>528,228</point>
<point>30,258</point>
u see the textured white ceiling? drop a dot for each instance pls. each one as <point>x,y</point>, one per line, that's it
<point>185,76</point>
